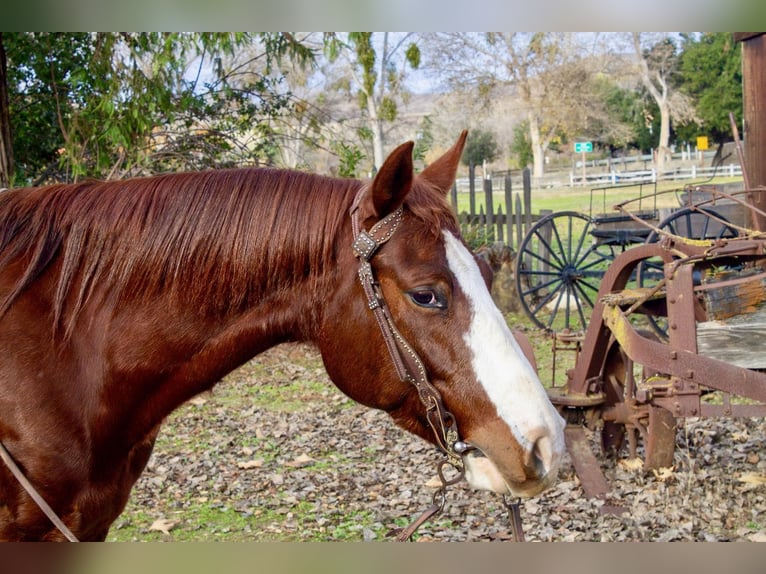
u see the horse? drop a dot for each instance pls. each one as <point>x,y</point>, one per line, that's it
<point>121,300</point>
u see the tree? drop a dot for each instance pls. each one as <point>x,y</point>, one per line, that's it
<point>550,74</point>
<point>480,146</point>
<point>424,140</point>
<point>6,143</point>
<point>711,70</point>
<point>631,119</point>
<point>378,65</point>
<point>317,130</point>
<point>658,71</point>
<point>110,105</point>
<point>520,145</point>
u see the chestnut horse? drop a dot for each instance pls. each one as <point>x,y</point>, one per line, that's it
<point>121,300</point>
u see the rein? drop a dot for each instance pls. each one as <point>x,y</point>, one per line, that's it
<point>410,369</point>
<point>39,500</point>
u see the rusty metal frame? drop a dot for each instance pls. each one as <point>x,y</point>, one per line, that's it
<point>680,375</point>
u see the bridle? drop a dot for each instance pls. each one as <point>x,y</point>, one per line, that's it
<point>409,367</point>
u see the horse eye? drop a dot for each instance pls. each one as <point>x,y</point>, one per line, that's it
<point>427,298</point>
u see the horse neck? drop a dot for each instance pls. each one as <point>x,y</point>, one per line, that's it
<point>214,244</point>
<point>300,255</point>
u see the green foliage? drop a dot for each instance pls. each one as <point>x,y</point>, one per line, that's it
<point>425,139</point>
<point>107,104</point>
<point>477,236</point>
<point>40,66</point>
<point>412,55</point>
<point>521,146</point>
<point>350,157</point>
<point>635,109</point>
<point>481,145</point>
<point>711,70</point>
<point>364,134</point>
<point>387,110</point>
<point>365,55</point>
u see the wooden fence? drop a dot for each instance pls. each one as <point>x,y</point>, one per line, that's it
<point>508,221</point>
<point>505,223</point>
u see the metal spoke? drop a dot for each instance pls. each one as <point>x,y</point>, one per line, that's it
<point>556,269</point>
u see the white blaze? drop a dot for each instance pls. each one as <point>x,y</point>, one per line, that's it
<point>498,362</point>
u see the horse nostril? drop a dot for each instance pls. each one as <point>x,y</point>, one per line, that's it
<point>540,455</point>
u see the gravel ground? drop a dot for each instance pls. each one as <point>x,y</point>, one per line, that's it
<point>293,459</point>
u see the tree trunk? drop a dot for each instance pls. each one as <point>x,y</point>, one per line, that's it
<point>376,125</point>
<point>6,144</point>
<point>663,149</point>
<point>538,151</point>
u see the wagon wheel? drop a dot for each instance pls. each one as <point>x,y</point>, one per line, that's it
<point>558,271</point>
<point>692,223</point>
<point>658,430</point>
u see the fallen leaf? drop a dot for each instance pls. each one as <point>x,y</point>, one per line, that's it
<point>434,482</point>
<point>664,473</point>
<point>752,478</point>
<point>300,461</point>
<point>632,463</point>
<point>753,458</point>
<point>256,463</point>
<point>531,507</point>
<point>740,435</point>
<point>163,525</point>
<point>199,400</point>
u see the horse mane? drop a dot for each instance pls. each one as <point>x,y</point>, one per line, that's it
<point>199,236</point>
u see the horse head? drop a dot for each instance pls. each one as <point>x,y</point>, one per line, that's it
<point>437,305</point>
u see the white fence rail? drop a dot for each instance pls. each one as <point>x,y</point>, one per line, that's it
<point>650,175</point>
<point>595,177</point>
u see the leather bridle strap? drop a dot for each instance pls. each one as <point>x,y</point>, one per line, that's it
<point>409,367</point>
<point>39,500</point>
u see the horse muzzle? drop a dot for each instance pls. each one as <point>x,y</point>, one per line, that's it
<point>535,474</point>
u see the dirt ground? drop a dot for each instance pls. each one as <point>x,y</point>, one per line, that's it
<point>275,452</point>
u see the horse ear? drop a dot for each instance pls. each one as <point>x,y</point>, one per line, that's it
<point>441,172</point>
<point>394,180</point>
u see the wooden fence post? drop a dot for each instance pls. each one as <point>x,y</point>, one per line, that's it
<point>471,190</point>
<point>489,210</point>
<point>527,183</point>
<point>499,237</point>
<point>509,209</point>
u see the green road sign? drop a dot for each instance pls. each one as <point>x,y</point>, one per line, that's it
<point>583,147</point>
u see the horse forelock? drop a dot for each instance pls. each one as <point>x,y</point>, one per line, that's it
<point>212,239</point>
<point>431,206</point>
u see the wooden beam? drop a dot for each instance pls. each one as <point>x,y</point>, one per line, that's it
<point>742,36</point>
<point>754,100</point>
